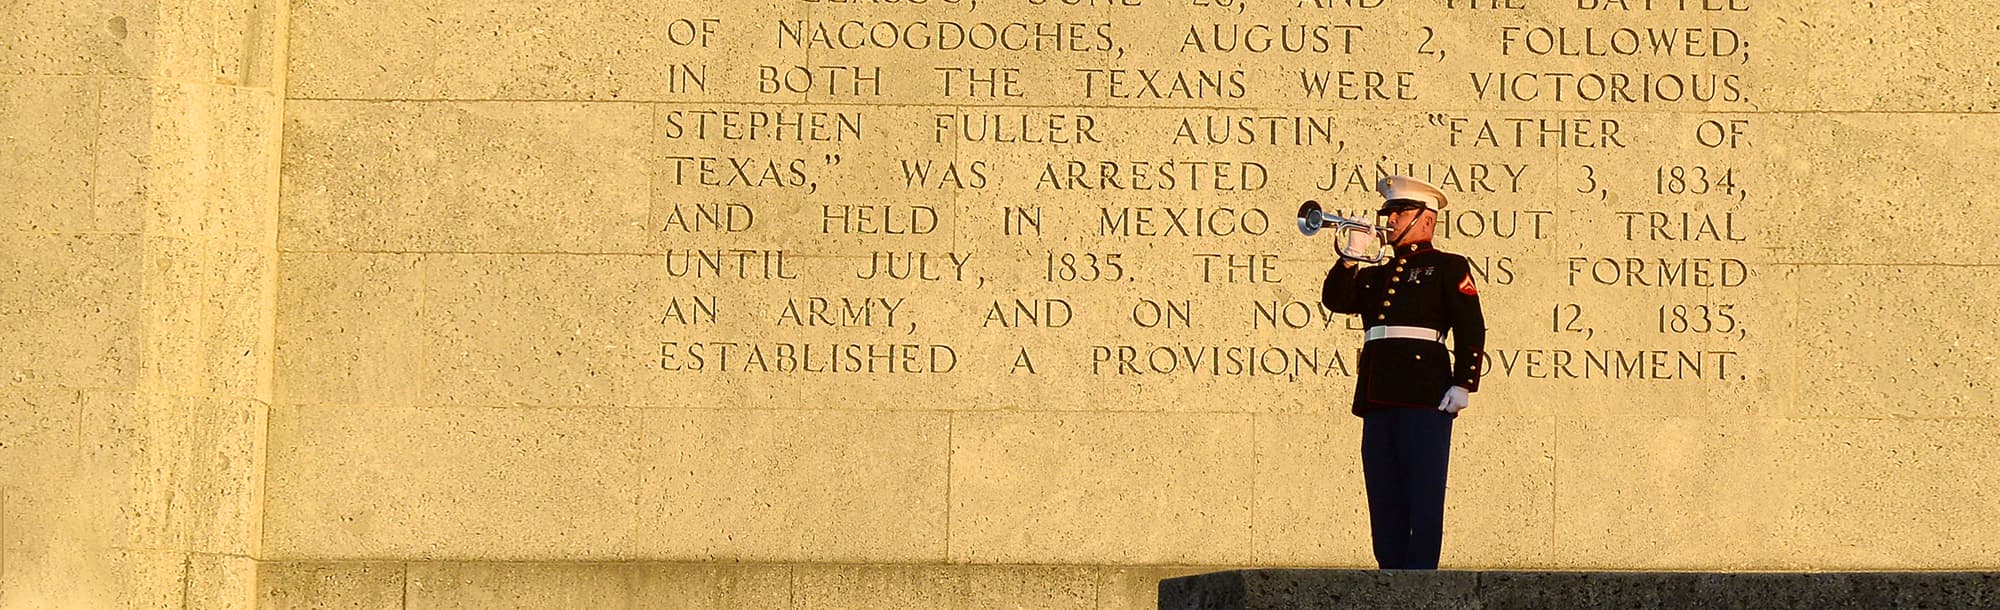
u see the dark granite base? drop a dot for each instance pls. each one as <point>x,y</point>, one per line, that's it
<point>1305,589</point>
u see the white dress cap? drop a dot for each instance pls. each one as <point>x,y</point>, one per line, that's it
<point>1405,187</point>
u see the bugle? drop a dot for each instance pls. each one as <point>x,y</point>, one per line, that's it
<point>1354,239</point>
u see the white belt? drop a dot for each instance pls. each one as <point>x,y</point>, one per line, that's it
<point>1404,332</point>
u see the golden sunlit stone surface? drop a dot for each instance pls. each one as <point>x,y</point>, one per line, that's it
<point>965,303</point>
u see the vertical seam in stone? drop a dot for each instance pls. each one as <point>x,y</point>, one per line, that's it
<point>958,214</point>
<point>96,143</point>
<point>1555,455</point>
<point>638,418</point>
<point>1253,489</point>
<point>254,17</point>
<point>76,456</point>
<point>280,65</point>
<point>183,487</point>
<point>423,331</point>
<point>807,98</point>
<point>203,259</point>
<point>215,56</point>
<point>654,144</point>
<point>948,417</point>
<point>1555,422</point>
<point>187,574</point>
<point>1792,383</point>
<point>202,264</point>
<point>268,375</point>
<point>406,585</point>
<point>1098,574</point>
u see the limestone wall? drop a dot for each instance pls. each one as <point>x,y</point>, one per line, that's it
<point>138,200</point>
<point>940,303</point>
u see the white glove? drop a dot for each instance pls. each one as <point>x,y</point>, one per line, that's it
<point>1454,399</point>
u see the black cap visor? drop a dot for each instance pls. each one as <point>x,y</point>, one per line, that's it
<point>1396,205</point>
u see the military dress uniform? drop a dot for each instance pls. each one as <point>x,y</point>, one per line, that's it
<point>1410,305</point>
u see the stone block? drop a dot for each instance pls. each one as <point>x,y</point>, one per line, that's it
<point>1656,186</point>
<point>593,585</point>
<point>173,272</point>
<point>1885,494</point>
<point>1766,354</point>
<point>1598,343</point>
<point>47,130</point>
<point>1101,487</point>
<point>540,329</point>
<point>1311,503</point>
<point>249,42</point>
<point>597,50</point>
<point>1820,57</point>
<point>809,486</point>
<point>840,587</point>
<point>138,578</point>
<point>1501,495</point>
<point>489,483</point>
<point>38,435</point>
<point>243,129</point>
<point>154,143</point>
<point>350,330</point>
<point>59,37</point>
<point>285,585</point>
<point>658,586</point>
<point>978,586</point>
<point>850,329</point>
<point>135,458</point>
<point>235,320</point>
<point>72,310</point>
<point>1039,587</point>
<point>465,176</point>
<point>1903,170</point>
<point>76,575</point>
<point>50,525</point>
<point>809,179</point>
<point>1897,341</point>
<point>221,582</point>
<point>522,586</point>
<point>1668,493</point>
<point>183,40</point>
<point>226,465</point>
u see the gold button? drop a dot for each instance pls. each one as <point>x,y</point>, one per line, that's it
<point>1392,291</point>
<point>1385,303</point>
<point>1420,356</point>
<point>1395,279</point>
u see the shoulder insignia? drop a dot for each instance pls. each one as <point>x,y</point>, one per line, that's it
<point>1465,286</point>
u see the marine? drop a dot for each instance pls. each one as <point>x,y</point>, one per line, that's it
<point>1408,387</point>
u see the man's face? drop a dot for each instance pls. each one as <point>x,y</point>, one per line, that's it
<point>1398,221</point>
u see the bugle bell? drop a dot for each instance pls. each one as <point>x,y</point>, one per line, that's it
<point>1354,239</point>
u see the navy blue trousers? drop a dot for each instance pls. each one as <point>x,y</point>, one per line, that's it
<point>1404,453</point>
